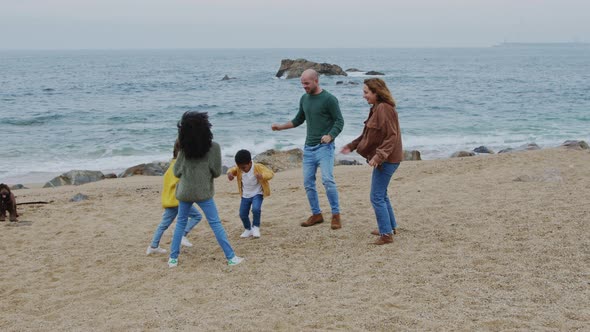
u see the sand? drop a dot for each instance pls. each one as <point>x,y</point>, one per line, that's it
<point>498,242</point>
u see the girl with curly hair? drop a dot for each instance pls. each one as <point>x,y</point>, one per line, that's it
<point>198,163</point>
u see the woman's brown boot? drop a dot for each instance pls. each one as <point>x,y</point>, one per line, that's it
<point>376,232</point>
<point>384,239</point>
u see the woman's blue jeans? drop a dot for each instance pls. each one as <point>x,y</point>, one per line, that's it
<point>322,156</point>
<point>194,216</point>
<point>210,210</point>
<point>379,199</point>
<point>256,204</point>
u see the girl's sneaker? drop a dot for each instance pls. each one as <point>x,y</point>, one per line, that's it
<point>234,261</point>
<point>185,242</point>
<point>172,262</point>
<point>247,233</point>
<point>157,250</point>
<point>256,231</point>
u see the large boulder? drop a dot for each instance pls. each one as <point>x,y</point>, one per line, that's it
<point>74,177</point>
<point>483,149</point>
<point>461,154</point>
<point>575,145</point>
<point>524,147</point>
<point>294,68</point>
<point>412,155</point>
<point>151,169</point>
<point>280,160</point>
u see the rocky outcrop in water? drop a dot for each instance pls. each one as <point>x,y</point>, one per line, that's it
<point>294,68</point>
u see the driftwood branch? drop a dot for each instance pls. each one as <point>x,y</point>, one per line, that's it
<point>36,202</point>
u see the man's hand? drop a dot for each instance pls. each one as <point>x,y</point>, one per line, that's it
<point>275,127</point>
<point>326,139</point>
<point>258,176</point>
<point>372,163</point>
<point>230,176</point>
<point>345,150</point>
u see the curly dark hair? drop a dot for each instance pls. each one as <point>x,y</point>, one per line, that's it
<point>194,134</point>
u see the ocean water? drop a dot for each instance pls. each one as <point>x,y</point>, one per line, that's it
<point>112,109</point>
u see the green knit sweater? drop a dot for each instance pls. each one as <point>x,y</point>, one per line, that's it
<point>196,175</point>
<point>322,114</point>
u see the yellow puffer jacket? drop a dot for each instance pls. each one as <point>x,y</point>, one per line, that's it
<point>266,173</point>
<point>169,187</point>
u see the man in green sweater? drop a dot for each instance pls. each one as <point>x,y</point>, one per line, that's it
<point>321,111</point>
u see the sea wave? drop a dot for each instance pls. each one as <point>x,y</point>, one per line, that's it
<point>33,121</point>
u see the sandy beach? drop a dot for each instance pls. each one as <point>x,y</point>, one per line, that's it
<point>498,242</point>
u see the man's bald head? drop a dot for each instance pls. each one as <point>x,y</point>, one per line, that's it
<point>310,82</point>
<point>311,74</point>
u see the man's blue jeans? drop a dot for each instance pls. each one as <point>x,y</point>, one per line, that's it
<point>194,216</point>
<point>210,211</point>
<point>322,156</point>
<point>256,203</point>
<point>379,199</point>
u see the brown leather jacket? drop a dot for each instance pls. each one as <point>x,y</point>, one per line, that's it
<point>381,139</point>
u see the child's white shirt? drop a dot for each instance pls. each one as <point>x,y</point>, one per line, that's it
<point>250,185</point>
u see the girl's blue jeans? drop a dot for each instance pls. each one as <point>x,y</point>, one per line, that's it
<point>210,210</point>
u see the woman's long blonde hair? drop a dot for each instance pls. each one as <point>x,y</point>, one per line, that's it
<point>378,87</point>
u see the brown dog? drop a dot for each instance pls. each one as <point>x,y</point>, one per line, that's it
<point>7,203</point>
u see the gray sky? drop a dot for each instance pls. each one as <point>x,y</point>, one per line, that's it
<point>100,24</point>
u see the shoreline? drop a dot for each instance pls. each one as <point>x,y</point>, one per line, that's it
<point>38,183</point>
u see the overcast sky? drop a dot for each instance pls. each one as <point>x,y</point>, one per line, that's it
<point>108,24</point>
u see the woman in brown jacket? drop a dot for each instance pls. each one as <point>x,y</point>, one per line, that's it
<point>381,144</point>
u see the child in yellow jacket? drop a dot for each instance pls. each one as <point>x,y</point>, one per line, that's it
<point>170,205</point>
<point>253,187</point>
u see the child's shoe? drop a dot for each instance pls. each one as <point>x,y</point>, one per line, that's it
<point>247,233</point>
<point>234,261</point>
<point>256,232</point>
<point>172,262</point>
<point>157,250</point>
<point>185,242</point>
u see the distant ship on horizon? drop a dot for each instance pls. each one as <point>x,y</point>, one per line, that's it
<point>547,44</point>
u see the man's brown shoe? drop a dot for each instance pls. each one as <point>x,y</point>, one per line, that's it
<point>314,219</point>
<point>384,239</point>
<point>336,221</point>
<point>376,232</point>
